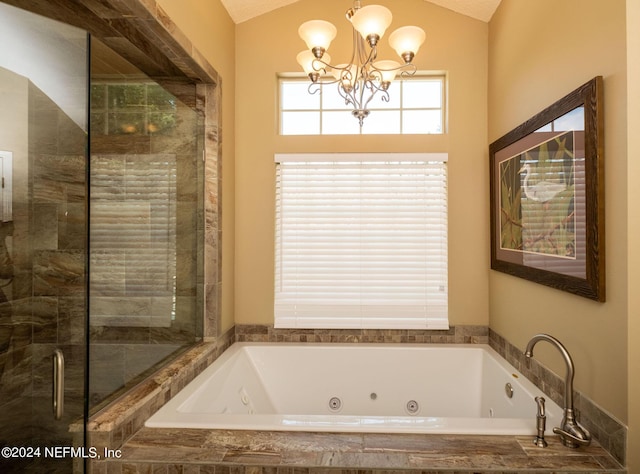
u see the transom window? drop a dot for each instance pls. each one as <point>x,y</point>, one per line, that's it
<point>416,106</point>
<point>132,108</point>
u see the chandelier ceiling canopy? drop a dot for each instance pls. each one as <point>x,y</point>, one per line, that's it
<point>364,76</point>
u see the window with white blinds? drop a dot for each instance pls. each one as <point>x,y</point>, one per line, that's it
<point>361,241</point>
<point>133,239</point>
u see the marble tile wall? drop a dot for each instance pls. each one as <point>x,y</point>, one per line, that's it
<point>46,308</point>
<point>209,100</point>
<point>57,238</point>
<point>113,425</point>
<point>454,335</point>
<point>135,326</point>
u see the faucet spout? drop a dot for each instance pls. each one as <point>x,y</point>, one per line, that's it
<point>571,432</point>
<point>568,382</point>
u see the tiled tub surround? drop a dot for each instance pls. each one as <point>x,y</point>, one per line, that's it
<point>455,335</point>
<point>610,433</point>
<point>204,451</point>
<point>116,423</point>
<point>154,450</point>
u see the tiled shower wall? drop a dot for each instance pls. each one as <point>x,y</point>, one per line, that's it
<point>46,309</point>
<point>114,424</point>
<point>146,188</point>
<point>58,236</point>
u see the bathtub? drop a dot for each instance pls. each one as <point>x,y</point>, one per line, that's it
<point>391,388</point>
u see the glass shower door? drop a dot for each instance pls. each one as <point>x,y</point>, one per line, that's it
<point>43,236</point>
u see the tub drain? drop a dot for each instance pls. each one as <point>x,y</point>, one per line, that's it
<point>412,407</point>
<point>335,404</point>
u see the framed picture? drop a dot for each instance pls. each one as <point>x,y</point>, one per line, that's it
<point>547,196</point>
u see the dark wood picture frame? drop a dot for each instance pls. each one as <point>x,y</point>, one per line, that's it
<point>547,196</point>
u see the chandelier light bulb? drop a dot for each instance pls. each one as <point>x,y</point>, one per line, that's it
<point>318,35</point>
<point>387,69</point>
<point>306,60</point>
<point>371,22</point>
<point>406,41</point>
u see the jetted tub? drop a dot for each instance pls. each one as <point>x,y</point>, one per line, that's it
<point>391,388</point>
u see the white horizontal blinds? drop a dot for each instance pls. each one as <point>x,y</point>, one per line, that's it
<point>361,242</point>
<point>133,226</point>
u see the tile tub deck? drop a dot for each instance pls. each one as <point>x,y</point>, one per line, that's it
<point>163,450</point>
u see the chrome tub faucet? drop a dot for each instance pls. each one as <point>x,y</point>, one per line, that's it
<point>571,433</point>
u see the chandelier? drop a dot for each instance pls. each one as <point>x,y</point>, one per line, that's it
<point>364,76</point>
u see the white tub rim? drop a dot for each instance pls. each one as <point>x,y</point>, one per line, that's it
<point>348,423</point>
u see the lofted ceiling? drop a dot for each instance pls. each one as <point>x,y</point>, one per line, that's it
<point>243,10</point>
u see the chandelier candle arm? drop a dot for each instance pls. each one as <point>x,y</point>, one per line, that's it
<point>346,74</point>
<point>363,77</point>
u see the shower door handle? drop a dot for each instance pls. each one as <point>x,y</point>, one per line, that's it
<point>58,384</point>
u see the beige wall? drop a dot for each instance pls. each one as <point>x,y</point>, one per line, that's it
<point>633,125</point>
<point>212,32</point>
<point>266,46</point>
<point>538,52</point>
